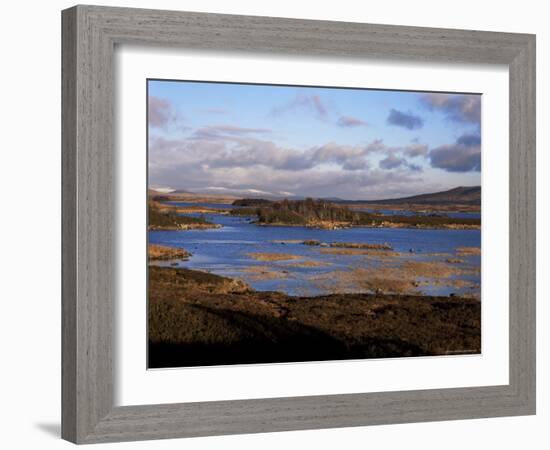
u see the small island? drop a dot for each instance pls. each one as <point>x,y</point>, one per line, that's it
<point>319,213</point>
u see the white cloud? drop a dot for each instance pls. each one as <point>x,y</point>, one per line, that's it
<point>253,166</point>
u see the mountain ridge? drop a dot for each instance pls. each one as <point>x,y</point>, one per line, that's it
<point>465,195</point>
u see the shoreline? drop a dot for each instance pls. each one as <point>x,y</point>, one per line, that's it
<point>162,217</point>
<point>185,227</point>
<point>369,220</point>
<point>381,225</point>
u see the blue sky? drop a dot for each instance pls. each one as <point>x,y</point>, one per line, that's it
<point>310,141</point>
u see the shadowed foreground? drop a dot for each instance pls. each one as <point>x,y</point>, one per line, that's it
<point>197,318</point>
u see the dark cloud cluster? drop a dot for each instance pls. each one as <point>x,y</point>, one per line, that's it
<point>416,149</point>
<point>462,156</point>
<point>391,162</point>
<point>404,119</point>
<point>457,107</point>
<point>394,161</point>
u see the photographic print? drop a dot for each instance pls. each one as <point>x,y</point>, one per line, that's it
<point>298,223</point>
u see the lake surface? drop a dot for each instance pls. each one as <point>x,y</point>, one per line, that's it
<point>227,251</point>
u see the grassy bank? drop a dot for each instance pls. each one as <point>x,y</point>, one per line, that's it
<point>197,318</point>
<point>163,217</point>
<point>163,253</point>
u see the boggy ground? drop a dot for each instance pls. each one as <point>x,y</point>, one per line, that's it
<point>197,318</point>
<point>165,217</point>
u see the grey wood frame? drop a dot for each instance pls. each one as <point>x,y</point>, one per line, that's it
<point>89,37</point>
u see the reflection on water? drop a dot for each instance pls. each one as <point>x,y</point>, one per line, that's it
<point>234,250</point>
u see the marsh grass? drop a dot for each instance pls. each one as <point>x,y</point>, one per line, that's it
<point>273,256</point>
<point>468,251</point>
<point>162,217</point>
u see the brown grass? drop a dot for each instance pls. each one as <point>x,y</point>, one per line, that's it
<point>406,278</point>
<point>309,263</point>
<point>273,256</point>
<point>359,251</point>
<point>258,273</point>
<point>429,269</point>
<point>199,210</point>
<point>468,251</point>
<point>454,260</point>
<point>161,252</point>
<point>164,217</point>
<point>371,279</point>
<point>362,245</point>
<point>312,242</point>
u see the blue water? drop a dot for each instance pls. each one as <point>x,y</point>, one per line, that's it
<point>224,251</point>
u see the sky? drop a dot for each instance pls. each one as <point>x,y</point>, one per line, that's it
<point>310,141</point>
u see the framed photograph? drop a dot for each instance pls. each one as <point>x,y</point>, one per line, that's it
<point>277,224</point>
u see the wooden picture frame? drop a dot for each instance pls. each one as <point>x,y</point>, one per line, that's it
<point>90,34</point>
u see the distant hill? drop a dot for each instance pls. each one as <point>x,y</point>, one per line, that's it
<point>463,195</point>
<point>153,192</point>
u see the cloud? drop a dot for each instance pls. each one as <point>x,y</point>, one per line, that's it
<point>404,119</point>
<point>414,167</point>
<point>416,149</point>
<point>462,156</point>
<point>229,146</point>
<point>302,102</point>
<point>160,112</point>
<point>236,150</point>
<point>393,161</point>
<point>370,183</point>
<point>242,191</point>
<point>349,122</point>
<point>223,131</point>
<point>355,164</point>
<point>239,158</point>
<point>465,108</point>
<point>349,157</point>
<point>255,152</point>
<point>470,140</point>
